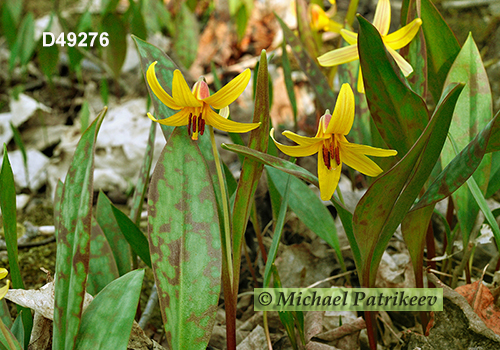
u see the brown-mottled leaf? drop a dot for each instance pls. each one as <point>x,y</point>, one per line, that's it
<point>184,241</point>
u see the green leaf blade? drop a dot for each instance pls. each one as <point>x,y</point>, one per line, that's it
<point>73,240</point>
<point>116,304</point>
<point>184,241</point>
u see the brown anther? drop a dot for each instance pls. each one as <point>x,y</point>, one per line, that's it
<point>194,124</point>
<point>189,123</point>
<point>337,155</point>
<point>326,157</point>
<point>201,126</point>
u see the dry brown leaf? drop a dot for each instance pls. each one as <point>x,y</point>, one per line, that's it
<point>482,302</point>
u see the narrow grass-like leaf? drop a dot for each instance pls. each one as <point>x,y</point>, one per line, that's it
<point>251,170</point>
<point>116,305</point>
<point>287,73</point>
<point>143,180</point>
<point>24,46</point>
<point>309,209</point>
<point>185,245</point>
<point>399,114</point>
<point>73,240</point>
<point>8,206</point>
<point>385,204</point>
<point>11,15</point>
<point>102,265</point>
<point>316,78</point>
<point>20,144</point>
<point>133,234</point>
<point>278,230</point>
<point>119,245</point>
<point>442,47</point>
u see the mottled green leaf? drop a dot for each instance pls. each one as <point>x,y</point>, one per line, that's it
<point>472,114</point>
<point>73,240</point>
<point>316,78</point>
<point>184,241</point>
<point>309,209</point>
<point>115,52</point>
<point>102,265</point>
<point>442,47</point>
<point>385,204</point>
<point>460,168</point>
<point>117,242</point>
<point>399,114</point>
<point>164,73</point>
<point>115,306</point>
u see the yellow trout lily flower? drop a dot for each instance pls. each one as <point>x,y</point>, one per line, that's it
<point>320,20</point>
<point>4,289</point>
<point>195,107</point>
<point>393,42</point>
<point>332,146</point>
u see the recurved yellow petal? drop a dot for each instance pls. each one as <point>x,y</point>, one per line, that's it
<point>303,140</point>
<point>3,272</point>
<point>230,91</point>
<point>359,161</point>
<point>343,114</point>
<point>182,93</point>
<point>350,37</point>
<point>328,178</point>
<point>403,36</point>
<point>224,112</point>
<point>296,151</point>
<point>4,290</point>
<point>178,119</point>
<point>368,150</point>
<point>224,124</point>
<point>339,56</point>
<point>158,90</point>
<point>382,18</point>
<point>333,26</point>
<point>405,67</point>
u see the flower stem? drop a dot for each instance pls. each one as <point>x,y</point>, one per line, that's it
<point>339,192</point>
<point>225,207</point>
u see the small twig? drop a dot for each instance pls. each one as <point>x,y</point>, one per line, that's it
<point>330,278</point>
